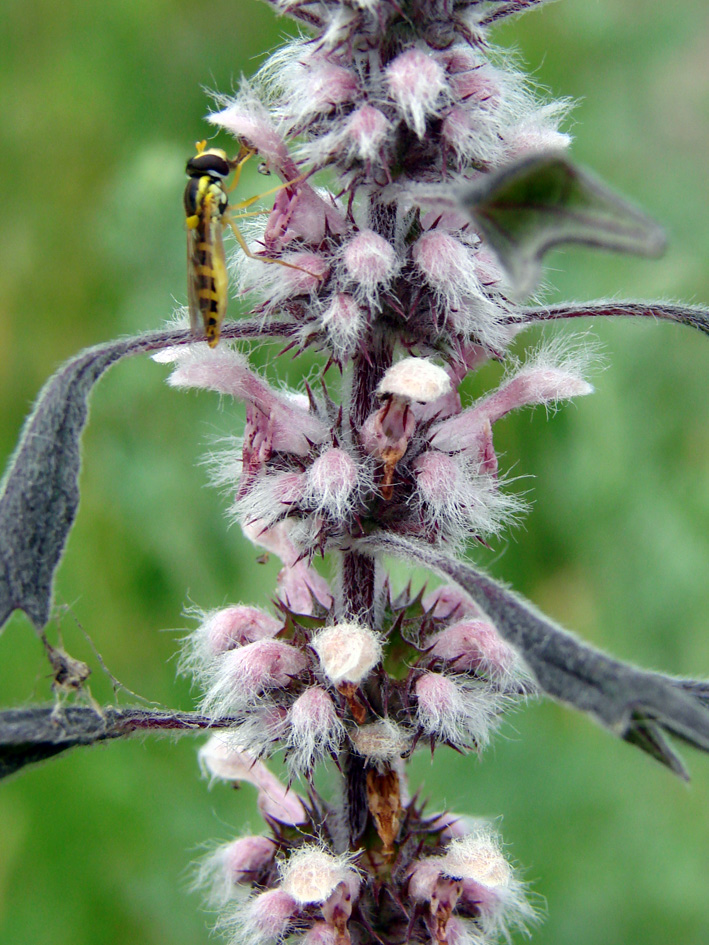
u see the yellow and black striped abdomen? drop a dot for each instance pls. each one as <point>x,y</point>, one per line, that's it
<point>205,203</point>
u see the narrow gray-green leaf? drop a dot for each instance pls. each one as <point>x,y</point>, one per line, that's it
<point>635,704</point>
<point>39,496</point>
<point>541,201</point>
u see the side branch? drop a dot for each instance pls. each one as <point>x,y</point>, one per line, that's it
<point>511,8</point>
<point>36,733</point>
<point>693,316</point>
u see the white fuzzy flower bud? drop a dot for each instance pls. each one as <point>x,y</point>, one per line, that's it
<point>488,882</point>
<point>415,380</point>
<point>478,857</point>
<point>348,652</point>
<point>387,432</point>
<point>311,874</point>
<point>381,741</point>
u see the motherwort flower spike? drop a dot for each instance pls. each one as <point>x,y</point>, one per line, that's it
<point>445,176</point>
<point>406,107</point>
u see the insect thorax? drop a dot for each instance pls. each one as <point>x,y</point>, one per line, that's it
<point>202,189</point>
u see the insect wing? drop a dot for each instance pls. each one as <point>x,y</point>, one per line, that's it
<point>220,280</point>
<point>193,281</point>
<point>207,283</point>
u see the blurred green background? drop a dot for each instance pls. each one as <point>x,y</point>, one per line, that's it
<point>101,104</point>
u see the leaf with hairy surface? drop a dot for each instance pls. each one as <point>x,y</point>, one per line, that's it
<point>40,492</point>
<point>542,201</point>
<point>637,705</point>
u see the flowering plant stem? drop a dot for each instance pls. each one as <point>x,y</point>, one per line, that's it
<point>450,181</point>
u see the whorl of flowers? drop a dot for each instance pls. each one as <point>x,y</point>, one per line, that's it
<point>405,297</point>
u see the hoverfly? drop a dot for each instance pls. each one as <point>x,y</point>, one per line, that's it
<point>207,211</point>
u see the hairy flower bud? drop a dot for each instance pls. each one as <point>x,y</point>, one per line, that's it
<point>243,674</point>
<point>243,857</point>
<point>332,481</point>
<point>344,321</point>
<point>267,917</point>
<point>415,81</point>
<point>301,213</point>
<point>317,86</point>
<point>475,646</point>
<point>477,857</point>
<point>238,625</point>
<point>315,729</point>
<point>311,874</point>
<point>414,380</point>
<point>454,710</point>
<point>233,865</point>
<point>387,433</point>
<point>219,760</point>
<point>448,265</point>
<point>448,602</point>
<point>321,933</point>
<point>487,881</point>
<point>302,588</point>
<point>366,132</point>
<point>423,876</point>
<point>348,652</point>
<point>381,741</point>
<point>370,262</point>
<point>223,630</point>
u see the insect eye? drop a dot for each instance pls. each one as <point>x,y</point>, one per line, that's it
<point>264,169</point>
<point>212,163</point>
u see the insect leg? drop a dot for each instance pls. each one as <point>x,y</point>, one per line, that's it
<point>265,259</point>
<point>245,204</point>
<point>244,154</point>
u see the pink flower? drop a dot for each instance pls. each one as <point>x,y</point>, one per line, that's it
<point>315,729</point>
<point>454,710</point>
<point>366,133</point>
<point>416,82</point>
<point>279,422</point>
<point>301,588</point>
<point>243,674</point>
<point>475,646</point>
<point>370,262</point>
<point>268,916</point>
